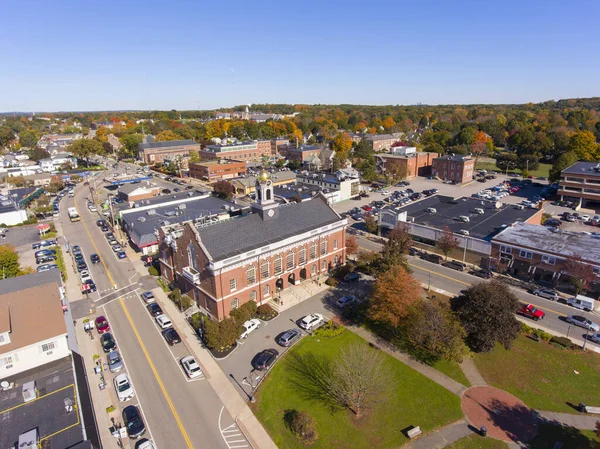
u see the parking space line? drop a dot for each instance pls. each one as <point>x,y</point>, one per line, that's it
<point>232,431</point>
<point>36,399</point>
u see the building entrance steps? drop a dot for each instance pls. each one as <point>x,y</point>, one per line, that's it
<point>294,295</point>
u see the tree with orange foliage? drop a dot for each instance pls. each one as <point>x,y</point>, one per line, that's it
<point>360,126</point>
<point>482,145</point>
<point>396,291</point>
<point>351,245</point>
<point>388,123</point>
<point>342,145</point>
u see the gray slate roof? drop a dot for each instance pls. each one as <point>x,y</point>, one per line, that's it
<point>582,168</point>
<point>248,232</point>
<point>29,281</point>
<point>169,143</point>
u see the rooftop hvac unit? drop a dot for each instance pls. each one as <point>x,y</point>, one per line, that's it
<point>151,212</point>
<point>181,207</point>
<point>141,219</point>
<point>29,391</point>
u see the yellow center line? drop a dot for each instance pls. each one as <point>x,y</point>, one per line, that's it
<point>160,382</point>
<point>110,278</point>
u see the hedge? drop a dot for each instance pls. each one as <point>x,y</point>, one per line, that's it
<point>330,329</point>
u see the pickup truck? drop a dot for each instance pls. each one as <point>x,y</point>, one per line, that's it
<point>530,311</point>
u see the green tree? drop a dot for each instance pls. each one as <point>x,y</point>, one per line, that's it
<point>564,160</point>
<point>84,148</point>
<point>6,136</point>
<point>466,136</point>
<point>507,161</point>
<point>447,242</point>
<point>487,312</point>
<point>528,162</point>
<point>395,249</point>
<point>9,262</point>
<point>583,144</point>
<point>28,138</point>
<point>194,156</point>
<point>55,185</point>
<point>371,224</point>
<point>36,154</point>
<point>130,143</point>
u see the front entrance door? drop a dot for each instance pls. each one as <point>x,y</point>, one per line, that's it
<point>279,284</point>
<point>292,279</point>
<point>303,274</point>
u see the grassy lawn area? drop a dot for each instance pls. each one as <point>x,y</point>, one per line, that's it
<point>478,442</point>
<point>413,400</point>
<point>60,261</point>
<point>452,370</point>
<point>542,171</point>
<point>543,376</point>
<point>549,434</point>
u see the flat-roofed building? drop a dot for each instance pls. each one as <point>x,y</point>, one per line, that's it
<point>453,167</point>
<point>411,164</point>
<point>217,170</point>
<point>153,152</point>
<point>581,181</point>
<point>250,151</point>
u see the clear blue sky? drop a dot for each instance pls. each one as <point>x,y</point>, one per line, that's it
<point>84,55</point>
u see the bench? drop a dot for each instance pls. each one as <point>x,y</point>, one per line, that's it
<point>414,432</point>
<point>594,410</point>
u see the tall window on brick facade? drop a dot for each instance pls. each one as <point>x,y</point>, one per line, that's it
<point>232,284</point>
<point>312,253</point>
<point>267,290</point>
<point>253,295</point>
<point>277,265</point>
<point>323,265</point>
<point>251,275</point>
<point>192,257</point>
<point>313,270</point>
<point>323,247</point>
<point>302,256</point>
<point>264,269</point>
<point>289,261</point>
<point>335,245</point>
<point>235,303</point>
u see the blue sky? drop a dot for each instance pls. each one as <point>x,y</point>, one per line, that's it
<point>80,55</point>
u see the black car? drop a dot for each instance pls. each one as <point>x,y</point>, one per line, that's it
<point>263,360</point>
<point>171,336</point>
<point>81,266</point>
<point>288,338</point>
<point>95,258</point>
<point>104,228</point>
<point>482,274</point>
<point>100,223</point>
<point>351,277</point>
<point>109,235</point>
<point>78,257</point>
<point>415,252</point>
<point>458,266</point>
<point>154,309</point>
<point>132,419</point>
<point>433,258</point>
<point>176,189</point>
<point>76,249</point>
<point>189,187</point>
<point>45,259</point>
<point>108,342</point>
<point>91,287</point>
<point>166,191</point>
<point>552,222</point>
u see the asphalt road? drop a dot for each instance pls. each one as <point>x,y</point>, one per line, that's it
<point>178,412</point>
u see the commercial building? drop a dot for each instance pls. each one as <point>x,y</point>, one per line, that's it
<point>153,152</point>
<point>411,164</point>
<point>277,143</point>
<point>453,167</point>
<point>474,222</point>
<point>303,153</point>
<point>343,187</point>
<point>253,150</point>
<point>581,181</point>
<point>382,142</point>
<point>136,192</point>
<point>217,170</point>
<point>225,264</point>
<point>247,184</point>
<point>539,253</point>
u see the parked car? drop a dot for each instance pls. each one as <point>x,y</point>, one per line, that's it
<point>45,252</point>
<point>453,264</point>
<point>584,322</point>
<point>148,297</point>
<point>84,276</point>
<point>171,336</point>
<point>529,311</point>
<point>191,367</point>
<point>351,277</point>
<point>116,248</point>
<point>311,321</point>
<point>346,301</point>
<point>102,325</point>
<point>43,244</point>
<point>415,252</point>
<point>45,259</point>
<point>289,337</point>
<point>154,309</point>
<point>484,274</point>
<point>547,293</point>
<point>115,364</point>
<point>108,342</point>
<point>47,267</point>
<point>81,266</point>
<point>133,422</point>
<point>595,337</point>
<point>90,286</point>
<point>263,360</point>
<point>250,326</point>
<point>123,387</point>
<point>121,255</point>
<point>95,258</point>
<point>433,258</point>
<point>163,321</point>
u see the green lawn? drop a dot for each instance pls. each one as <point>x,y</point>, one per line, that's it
<point>542,171</point>
<point>451,369</point>
<point>543,376</point>
<point>413,400</point>
<point>549,434</point>
<point>478,442</point>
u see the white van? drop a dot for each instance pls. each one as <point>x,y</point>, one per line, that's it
<point>479,211</point>
<point>581,302</point>
<point>431,210</point>
<point>464,219</point>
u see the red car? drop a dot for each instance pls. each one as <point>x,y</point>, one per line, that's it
<point>102,325</point>
<point>530,311</point>
<point>367,207</point>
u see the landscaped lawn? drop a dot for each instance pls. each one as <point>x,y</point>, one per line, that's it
<point>549,434</point>
<point>453,370</point>
<point>478,442</point>
<point>412,400</point>
<point>542,171</point>
<point>544,377</point>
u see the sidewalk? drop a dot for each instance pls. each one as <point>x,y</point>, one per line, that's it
<point>578,421</point>
<point>429,372</point>
<point>472,373</point>
<point>442,437</point>
<point>233,402</point>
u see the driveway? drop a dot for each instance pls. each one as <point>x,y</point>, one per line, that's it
<point>238,363</point>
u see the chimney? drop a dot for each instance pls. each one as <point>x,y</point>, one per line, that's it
<point>296,142</point>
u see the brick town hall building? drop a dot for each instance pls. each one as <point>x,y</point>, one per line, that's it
<point>223,264</point>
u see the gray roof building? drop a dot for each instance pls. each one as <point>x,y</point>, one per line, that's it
<point>166,144</point>
<point>578,168</point>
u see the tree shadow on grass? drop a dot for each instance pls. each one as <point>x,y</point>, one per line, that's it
<point>312,376</point>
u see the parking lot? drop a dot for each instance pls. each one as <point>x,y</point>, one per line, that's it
<point>239,363</point>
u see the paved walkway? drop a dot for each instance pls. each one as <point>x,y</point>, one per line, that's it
<point>584,422</point>
<point>429,372</point>
<point>442,437</point>
<point>233,402</point>
<point>471,372</point>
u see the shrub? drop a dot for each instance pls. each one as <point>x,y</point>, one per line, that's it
<point>153,271</point>
<point>266,312</point>
<point>330,329</point>
<point>527,330</point>
<point>543,335</point>
<point>563,341</point>
<point>332,282</point>
<point>163,284</point>
<point>197,321</point>
<point>186,302</point>
<point>220,335</point>
<point>244,312</point>
<point>304,427</point>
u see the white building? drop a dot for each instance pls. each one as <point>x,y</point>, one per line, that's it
<point>57,161</point>
<point>33,331</point>
<point>344,187</point>
<point>403,150</point>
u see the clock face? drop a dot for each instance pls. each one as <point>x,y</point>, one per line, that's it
<point>268,183</point>
<point>271,213</point>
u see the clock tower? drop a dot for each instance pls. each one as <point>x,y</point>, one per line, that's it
<point>265,204</point>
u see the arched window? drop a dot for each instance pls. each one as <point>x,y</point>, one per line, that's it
<point>277,265</point>
<point>235,303</point>
<point>253,295</point>
<point>323,265</point>
<point>335,260</point>
<point>192,257</point>
<point>267,290</point>
<point>268,194</point>
<point>251,275</point>
<point>302,256</point>
<point>313,270</point>
<point>264,269</point>
<point>290,261</point>
<point>312,253</point>
<point>323,247</point>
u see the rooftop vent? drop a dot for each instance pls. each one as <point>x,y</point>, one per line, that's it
<point>141,219</point>
<point>151,212</point>
<point>181,207</point>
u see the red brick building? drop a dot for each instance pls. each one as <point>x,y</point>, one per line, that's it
<point>217,170</point>
<point>250,151</point>
<point>414,164</point>
<point>453,168</point>
<point>224,264</point>
<point>153,152</point>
